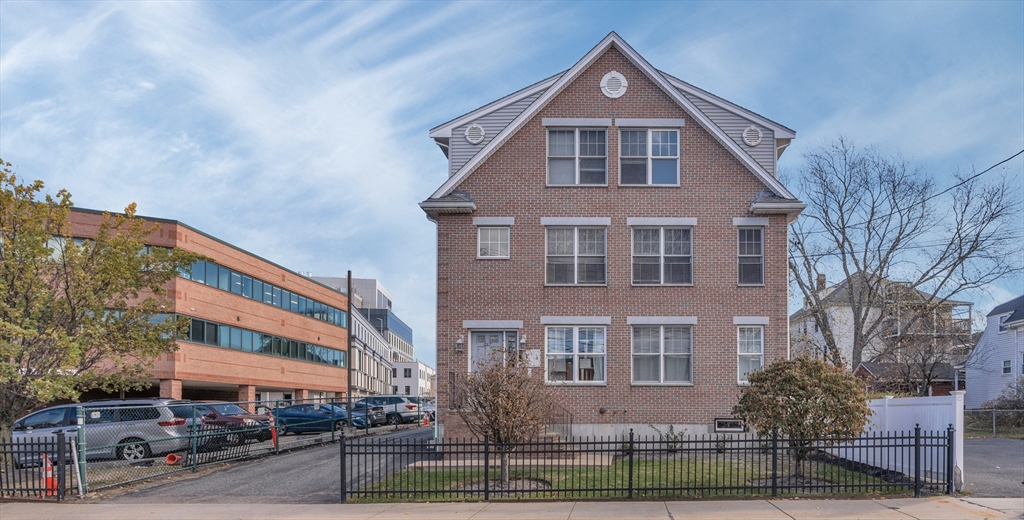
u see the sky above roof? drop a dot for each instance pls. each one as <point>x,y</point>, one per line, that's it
<point>299,131</point>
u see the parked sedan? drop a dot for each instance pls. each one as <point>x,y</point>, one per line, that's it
<point>302,418</point>
<point>374,414</point>
<point>233,417</point>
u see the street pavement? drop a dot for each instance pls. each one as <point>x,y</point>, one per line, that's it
<point>994,467</point>
<point>935,508</point>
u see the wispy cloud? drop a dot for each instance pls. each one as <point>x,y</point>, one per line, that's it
<point>298,130</point>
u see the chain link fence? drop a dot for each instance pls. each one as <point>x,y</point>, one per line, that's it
<point>108,443</point>
<point>994,423</point>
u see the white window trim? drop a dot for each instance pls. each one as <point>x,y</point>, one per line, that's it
<point>738,256</point>
<point>1001,327</point>
<point>739,381</point>
<point>575,356</point>
<point>661,256</point>
<point>661,355</point>
<point>1007,364</point>
<point>575,256</point>
<point>650,165</point>
<point>479,229</point>
<point>576,157</point>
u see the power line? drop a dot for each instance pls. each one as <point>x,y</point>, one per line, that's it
<point>930,197</point>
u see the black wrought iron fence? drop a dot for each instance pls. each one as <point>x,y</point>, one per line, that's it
<point>381,470</point>
<point>37,467</point>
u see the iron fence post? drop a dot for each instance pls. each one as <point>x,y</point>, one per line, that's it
<point>993,423</point>
<point>487,467</point>
<point>194,440</point>
<point>344,471</point>
<point>630,492</point>
<point>775,462</point>
<point>277,419</point>
<point>917,461</point>
<point>950,451</point>
<point>333,422</point>
<point>80,420</point>
<point>61,466</point>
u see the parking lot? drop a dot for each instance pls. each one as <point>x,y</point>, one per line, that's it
<point>307,476</point>
<point>994,467</point>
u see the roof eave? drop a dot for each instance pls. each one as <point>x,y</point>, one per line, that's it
<point>435,208</point>
<point>791,209</point>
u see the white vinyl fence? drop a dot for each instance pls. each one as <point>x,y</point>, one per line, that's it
<point>933,414</point>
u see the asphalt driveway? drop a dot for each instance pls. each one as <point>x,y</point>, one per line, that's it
<point>994,467</point>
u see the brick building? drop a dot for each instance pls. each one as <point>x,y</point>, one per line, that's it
<point>258,331</point>
<point>625,232</point>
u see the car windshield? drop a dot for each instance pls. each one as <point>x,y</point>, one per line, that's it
<point>228,409</point>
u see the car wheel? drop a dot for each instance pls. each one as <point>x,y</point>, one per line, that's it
<point>282,431</point>
<point>235,438</point>
<point>394,419</point>
<point>133,449</point>
<point>340,425</point>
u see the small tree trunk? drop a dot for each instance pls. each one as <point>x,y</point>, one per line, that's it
<point>504,468</point>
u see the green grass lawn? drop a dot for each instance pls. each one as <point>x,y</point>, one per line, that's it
<point>652,478</point>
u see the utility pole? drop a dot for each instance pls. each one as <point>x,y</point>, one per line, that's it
<point>348,353</point>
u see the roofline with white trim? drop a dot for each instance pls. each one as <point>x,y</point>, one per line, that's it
<point>570,75</point>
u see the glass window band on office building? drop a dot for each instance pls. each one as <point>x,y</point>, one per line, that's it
<point>213,275</point>
<point>662,354</point>
<point>218,335</point>
<point>575,354</point>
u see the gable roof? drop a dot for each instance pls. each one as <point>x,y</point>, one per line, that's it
<point>569,76</point>
<point>1014,306</point>
<point>839,295</point>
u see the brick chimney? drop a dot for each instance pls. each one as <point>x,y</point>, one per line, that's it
<point>821,282</point>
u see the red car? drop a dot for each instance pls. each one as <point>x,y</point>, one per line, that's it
<point>230,416</point>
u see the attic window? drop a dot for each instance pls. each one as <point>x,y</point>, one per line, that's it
<point>475,133</point>
<point>614,84</point>
<point>752,135</point>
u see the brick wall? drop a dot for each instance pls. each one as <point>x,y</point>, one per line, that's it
<point>715,188</point>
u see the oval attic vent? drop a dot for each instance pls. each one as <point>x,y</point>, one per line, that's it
<point>613,84</point>
<point>752,136</point>
<point>475,133</point>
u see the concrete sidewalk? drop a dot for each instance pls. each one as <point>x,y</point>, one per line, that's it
<point>936,508</point>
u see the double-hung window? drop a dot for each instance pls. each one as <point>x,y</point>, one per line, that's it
<point>1007,367</point>
<point>493,242</point>
<point>649,157</point>
<point>662,256</point>
<point>577,156</point>
<point>751,351</point>
<point>662,354</point>
<point>576,354</point>
<point>576,256</point>
<point>751,256</point>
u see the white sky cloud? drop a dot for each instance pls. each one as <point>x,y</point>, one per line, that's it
<point>299,131</point>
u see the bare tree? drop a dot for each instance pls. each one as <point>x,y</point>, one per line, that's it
<point>502,400</point>
<point>872,218</point>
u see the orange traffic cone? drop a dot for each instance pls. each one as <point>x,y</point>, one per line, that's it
<point>172,459</point>
<point>273,431</point>
<point>49,482</point>
<point>426,420</point>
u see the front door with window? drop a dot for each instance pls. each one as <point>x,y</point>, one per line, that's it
<point>488,343</point>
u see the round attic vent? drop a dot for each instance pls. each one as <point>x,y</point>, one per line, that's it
<point>752,136</point>
<point>613,84</point>
<point>475,133</point>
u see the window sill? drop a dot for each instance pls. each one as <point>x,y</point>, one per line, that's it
<point>660,384</point>
<point>494,258</point>
<point>575,285</point>
<point>570,383</point>
<point>750,285</point>
<point>648,185</point>
<point>743,383</point>
<point>662,285</point>
<point>576,185</point>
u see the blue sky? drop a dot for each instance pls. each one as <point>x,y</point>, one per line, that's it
<point>299,131</point>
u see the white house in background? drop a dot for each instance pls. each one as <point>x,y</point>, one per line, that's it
<point>998,359</point>
<point>412,378</point>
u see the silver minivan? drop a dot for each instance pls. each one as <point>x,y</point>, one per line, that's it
<point>123,429</point>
